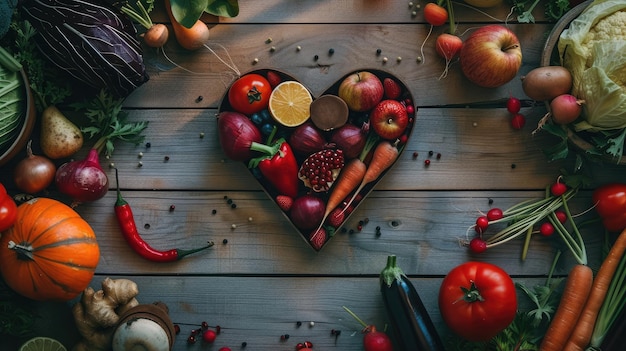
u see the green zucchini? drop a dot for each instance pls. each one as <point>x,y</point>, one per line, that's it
<point>411,325</point>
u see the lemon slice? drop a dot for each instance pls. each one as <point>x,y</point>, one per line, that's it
<point>290,103</point>
<point>40,343</point>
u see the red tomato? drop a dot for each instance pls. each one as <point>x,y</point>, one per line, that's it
<point>610,203</point>
<point>477,300</point>
<point>249,94</point>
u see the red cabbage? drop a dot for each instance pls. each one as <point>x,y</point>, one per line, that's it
<point>90,40</point>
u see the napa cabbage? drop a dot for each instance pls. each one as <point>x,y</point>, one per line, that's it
<point>593,49</point>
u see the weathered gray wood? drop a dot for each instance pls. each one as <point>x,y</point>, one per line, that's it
<point>244,43</point>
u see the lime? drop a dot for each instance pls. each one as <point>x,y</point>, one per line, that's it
<point>290,103</point>
<point>41,343</point>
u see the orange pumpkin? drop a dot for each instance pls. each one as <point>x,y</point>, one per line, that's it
<point>50,253</point>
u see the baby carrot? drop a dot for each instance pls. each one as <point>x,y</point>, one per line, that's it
<point>192,38</point>
<point>575,294</point>
<point>581,336</point>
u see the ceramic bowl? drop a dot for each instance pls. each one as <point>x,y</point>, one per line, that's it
<point>26,127</point>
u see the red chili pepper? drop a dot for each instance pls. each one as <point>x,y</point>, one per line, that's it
<point>126,221</point>
<point>610,203</point>
<point>8,210</point>
<point>278,165</point>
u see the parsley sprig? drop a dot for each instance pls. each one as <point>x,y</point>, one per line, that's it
<point>554,9</point>
<point>109,122</point>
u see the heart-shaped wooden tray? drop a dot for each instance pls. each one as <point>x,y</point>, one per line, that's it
<point>317,227</point>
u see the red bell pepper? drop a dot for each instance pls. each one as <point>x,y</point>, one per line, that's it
<point>610,203</point>
<point>278,166</point>
<point>8,210</point>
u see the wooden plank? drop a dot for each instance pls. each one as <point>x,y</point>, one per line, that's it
<point>355,49</point>
<point>471,142</point>
<point>258,310</point>
<point>423,227</point>
<point>352,11</point>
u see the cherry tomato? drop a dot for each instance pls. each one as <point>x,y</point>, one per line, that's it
<point>610,203</point>
<point>8,210</point>
<point>249,94</point>
<point>477,300</point>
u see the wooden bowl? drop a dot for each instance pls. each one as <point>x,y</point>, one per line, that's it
<point>26,127</point>
<point>550,57</point>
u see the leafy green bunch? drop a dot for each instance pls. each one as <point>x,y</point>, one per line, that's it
<point>554,9</point>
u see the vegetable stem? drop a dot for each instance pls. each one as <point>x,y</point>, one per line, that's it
<point>355,317</point>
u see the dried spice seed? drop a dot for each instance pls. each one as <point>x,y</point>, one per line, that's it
<point>513,165</point>
<point>176,329</point>
<point>225,241</point>
<point>213,211</point>
<point>146,226</point>
<point>199,98</point>
<point>316,57</point>
<point>431,152</point>
<point>229,201</point>
<point>331,51</point>
<point>438,155</point>
<point>490,201</point>
<point>415,154</point>
<point>298,324</point>
<point>172,207</point>
<point>244,344</point>
<point>218,329</point>
<point>427,162</point>
<point>204,325</point>
<point>378,51</point>
<point>166,158</point>
<point>148,145</point>
<point>233,205</point>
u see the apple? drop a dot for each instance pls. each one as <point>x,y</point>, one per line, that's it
<point>491,56</point>
<point>389,119</point>
<point>361,91</point>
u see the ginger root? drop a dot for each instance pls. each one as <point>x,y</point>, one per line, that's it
<point>98,312</point>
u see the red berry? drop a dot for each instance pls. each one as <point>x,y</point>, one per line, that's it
<point>558,189</point>
<point>224,349</point>
<point>176,329</point>
<point>426,162</point>
<point>209,336</point>
<point>518,121</point>
<point>191,339</point>
<point>494,214</point>
<point>482,223</point>
<point>318,238</point>
<point>478,245</point>
<point>513,105</point>
<point>561,216</point>
<point>205,325</point>
<point>391,88</point>
<point>410,109</point>
<point>284,202</point>
<point>336,217</point>
<point>546,229</point>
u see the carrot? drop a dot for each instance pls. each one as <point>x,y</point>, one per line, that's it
<point>349,177</point>
<point>384,156</point>
<point>581,336</point>
<point>575,294</point>
<point>192,38</point>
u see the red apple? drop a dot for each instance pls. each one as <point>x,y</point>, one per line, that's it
<point>361,91</point>
<point>491,56</point>
<point>389,119</point>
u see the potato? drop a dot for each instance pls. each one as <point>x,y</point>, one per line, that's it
<point>546,83</point>
<point>60,137</point>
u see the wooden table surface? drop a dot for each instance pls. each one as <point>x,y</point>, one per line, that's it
<point>265,279</point>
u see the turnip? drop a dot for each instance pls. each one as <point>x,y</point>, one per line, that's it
<point>156,35</point>
<point>83,180</point>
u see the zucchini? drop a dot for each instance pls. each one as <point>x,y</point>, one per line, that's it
<point>411,325</point>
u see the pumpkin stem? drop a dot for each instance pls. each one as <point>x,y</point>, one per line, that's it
<point>24,252</point>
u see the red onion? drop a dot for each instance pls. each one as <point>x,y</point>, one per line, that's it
<point>236,133</point>
<point>351,139</point>
<point>307,139</point>
<point>83,180</point>
<point>307,211</point>
<point>34,173</point>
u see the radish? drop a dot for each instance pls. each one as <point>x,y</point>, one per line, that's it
<point>448,46</point>
<point>565,108</point>
<point>156,35</point>
<point>373,340</point>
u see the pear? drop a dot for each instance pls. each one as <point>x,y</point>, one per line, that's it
<point>60,138</point>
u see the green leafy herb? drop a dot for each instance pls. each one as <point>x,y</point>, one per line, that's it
<point>187,12</point>
<point>554,9</point>
<point>44,82</point>
<point>17,314</point>
<point>109,122</point>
